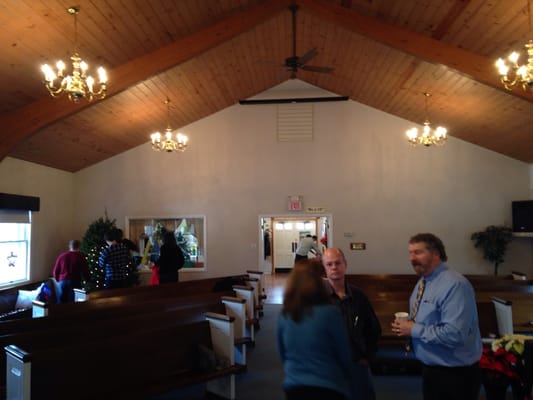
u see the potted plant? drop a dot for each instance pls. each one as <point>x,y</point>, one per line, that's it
<point>493,242</point>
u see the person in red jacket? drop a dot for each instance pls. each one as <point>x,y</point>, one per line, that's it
<point>69,269</point>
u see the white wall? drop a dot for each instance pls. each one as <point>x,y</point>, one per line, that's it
<point>359,167</point>
<point>56,222</point>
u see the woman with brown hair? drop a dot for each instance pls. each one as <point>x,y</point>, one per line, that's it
<point>312,339</point>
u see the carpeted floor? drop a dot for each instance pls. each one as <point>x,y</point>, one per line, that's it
<point>264,375</point>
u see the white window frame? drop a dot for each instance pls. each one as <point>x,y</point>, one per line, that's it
<point>15,247</point>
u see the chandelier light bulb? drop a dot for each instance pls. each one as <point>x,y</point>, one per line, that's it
<point>102,75</point>
<point>156,137</point>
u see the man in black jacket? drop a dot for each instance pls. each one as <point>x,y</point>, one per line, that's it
<point>361,321</point>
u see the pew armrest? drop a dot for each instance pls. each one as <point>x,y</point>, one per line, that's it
<point>504,315</point>
<point>39,309</point>
<point>80,295</point>
<point>519,276</point>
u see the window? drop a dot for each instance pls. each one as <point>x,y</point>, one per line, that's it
<point>190,236</point>
<point>15,240</point>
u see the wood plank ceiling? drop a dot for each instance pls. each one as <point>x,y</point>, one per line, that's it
<point>205,55</point>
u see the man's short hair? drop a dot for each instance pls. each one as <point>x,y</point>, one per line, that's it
<point>74,244</point>
<point>112,235</point>
<point>432,242</point>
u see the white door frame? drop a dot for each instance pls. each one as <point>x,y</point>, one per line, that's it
<point>260,247</point>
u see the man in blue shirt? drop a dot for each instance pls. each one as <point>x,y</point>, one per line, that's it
<point>443,324</point>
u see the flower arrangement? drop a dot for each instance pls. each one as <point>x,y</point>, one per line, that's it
<point>504,357</point>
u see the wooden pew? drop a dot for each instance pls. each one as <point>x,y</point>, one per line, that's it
<point>522,305</point>
<point>118,307</point>
<point>258,302</point>
<point>142,301</point>
<point>146,302</point>
<point>236,308</point>
<point>139,363</point>
<point>403,281</point>
<point>107,315</point>
<point>186,287</point>
<point>245,292</point>
<point>259,275</point>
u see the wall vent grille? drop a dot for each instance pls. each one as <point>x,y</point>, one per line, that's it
<point>295,122</point>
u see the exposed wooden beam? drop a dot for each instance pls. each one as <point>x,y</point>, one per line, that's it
<point>475,66</point>
<point>449,19</point>
<point>27,120</point>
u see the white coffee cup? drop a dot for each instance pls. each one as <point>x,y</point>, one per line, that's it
<point>402,316</point>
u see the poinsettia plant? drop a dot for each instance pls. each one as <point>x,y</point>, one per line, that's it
<point>504,356</point>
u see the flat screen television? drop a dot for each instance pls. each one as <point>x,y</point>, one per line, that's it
<point>522,216</point>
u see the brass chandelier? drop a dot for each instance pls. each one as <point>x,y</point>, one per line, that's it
<point>167,142</point>
<point>512,73</point>
<point>427,137</point>
<point>78,85</point>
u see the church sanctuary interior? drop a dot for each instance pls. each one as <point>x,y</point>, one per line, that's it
<point>243,126</point>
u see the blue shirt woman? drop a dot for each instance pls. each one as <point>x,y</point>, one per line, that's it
<point>312,339</point>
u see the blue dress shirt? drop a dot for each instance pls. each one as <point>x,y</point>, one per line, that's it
<point>446,329</point>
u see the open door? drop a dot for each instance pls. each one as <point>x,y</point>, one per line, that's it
<point>279,237</point>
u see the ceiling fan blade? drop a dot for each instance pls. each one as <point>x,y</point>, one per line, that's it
<point>307,57</point>
<point>312,68</point>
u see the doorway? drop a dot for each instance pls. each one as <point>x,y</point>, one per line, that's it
<point>280,234</point>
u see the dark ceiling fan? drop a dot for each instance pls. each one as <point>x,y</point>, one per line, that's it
<point>292,64</point>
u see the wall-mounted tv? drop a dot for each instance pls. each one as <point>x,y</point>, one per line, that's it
<point>522,216</point>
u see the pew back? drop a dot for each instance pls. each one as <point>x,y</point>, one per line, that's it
<point>131,364</point>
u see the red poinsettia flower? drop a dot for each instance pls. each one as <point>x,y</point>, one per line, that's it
<point>503,358</point>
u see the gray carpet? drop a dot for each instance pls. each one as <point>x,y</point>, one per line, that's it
<point>264,375</point>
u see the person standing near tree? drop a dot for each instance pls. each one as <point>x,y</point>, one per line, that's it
<point>69,270</point>
<point>363,327</point>
<point>115,260</point>
<point>170,260</point>
<point>443,324</point>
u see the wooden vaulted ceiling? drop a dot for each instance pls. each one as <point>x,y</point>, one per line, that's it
<point>206,55</point>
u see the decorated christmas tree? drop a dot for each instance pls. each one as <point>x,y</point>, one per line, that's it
<point>91,245</point>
